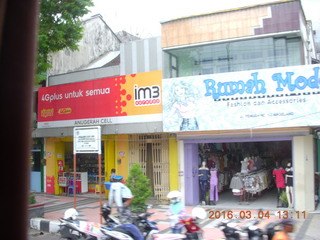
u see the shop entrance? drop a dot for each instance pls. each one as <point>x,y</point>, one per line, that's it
<point>152,153</point>
<point>254,174</point>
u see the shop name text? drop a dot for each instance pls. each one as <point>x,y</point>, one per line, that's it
<point>256,86</point>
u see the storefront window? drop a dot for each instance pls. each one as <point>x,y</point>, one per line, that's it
<point>232,57</point>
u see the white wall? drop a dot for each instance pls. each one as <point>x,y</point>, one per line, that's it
<point>303,167</point>
<point>97,41</point>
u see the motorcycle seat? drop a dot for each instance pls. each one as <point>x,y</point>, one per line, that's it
<point>168,236</point>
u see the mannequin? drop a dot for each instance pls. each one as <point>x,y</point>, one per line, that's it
<point>214,185</point>
<point>250,164</point>
<point>244,165</point>
<point>204,174</point>
<point>278,174</point>
<point>289,184</point>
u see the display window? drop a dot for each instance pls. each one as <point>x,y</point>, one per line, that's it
<point>246,173</point>
<point>87,169</point>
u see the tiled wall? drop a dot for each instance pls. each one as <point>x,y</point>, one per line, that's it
<point>231,24</point>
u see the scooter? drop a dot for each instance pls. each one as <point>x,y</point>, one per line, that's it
<point>146,227</point>
<point>194,232</point>
<point>249,230</point>
<point>150,230</point>
<point>70,228</point>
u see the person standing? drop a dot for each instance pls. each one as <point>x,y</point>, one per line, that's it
<point>122,196</point>
<point>113,174</point>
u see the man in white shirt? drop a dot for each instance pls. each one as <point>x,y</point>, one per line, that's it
<point>122,196</point>
<point>119,193</point>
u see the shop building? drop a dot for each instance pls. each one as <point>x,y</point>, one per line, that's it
<point>122,92</point>
<point>241,94</point>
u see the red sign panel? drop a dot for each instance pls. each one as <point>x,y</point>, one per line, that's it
<point>101,101</point>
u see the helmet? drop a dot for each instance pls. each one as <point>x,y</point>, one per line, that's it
<point>106,209</point>
<point>175,194</point>
<point>199,212</point>
<point>117,178</point>
<point>71,214</point>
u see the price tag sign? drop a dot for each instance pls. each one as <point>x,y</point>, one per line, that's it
<point>87,140</point>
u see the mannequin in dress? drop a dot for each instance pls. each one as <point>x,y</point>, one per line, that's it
<point>289,184</point>
<point>278,174</point>
<point>214,185</point>
<point>204,175</point>
<point>250,164</point>
<point>244,165</point>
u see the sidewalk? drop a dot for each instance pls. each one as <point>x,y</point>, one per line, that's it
<point>88,207</point>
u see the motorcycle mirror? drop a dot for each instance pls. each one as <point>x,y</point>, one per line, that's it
<point>199,213</point>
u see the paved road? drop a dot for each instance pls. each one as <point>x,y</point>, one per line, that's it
<point>37,235</point>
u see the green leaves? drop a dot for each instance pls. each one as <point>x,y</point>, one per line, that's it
<point>139,185</point>
<point>59,27</point>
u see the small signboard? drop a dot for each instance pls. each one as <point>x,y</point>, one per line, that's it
<point>63,181</point>
<point>87,140</point>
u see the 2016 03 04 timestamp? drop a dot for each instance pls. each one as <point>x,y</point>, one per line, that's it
<point>244,214</point>
<point>248,214</point>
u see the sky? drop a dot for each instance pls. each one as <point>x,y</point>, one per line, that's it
<point>143,17</point>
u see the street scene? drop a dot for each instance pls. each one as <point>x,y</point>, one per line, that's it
<point>88,208</point>
<point>170,120</point>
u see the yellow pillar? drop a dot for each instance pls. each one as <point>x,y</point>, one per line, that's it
<point>59,156</point>
<point>109,162</point>
<point>54,152</point>
<point>174,166</point>
<point>121,155</point>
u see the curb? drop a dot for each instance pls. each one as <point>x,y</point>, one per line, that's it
<point>44,225</point>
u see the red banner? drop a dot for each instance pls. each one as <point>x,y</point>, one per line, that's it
<point>100,101</point>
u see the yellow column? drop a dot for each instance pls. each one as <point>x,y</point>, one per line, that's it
<point>121,154</point>
<point>109,157</point>
<point>173,160</point>
<point>54,151</point>
<point>59,155</point>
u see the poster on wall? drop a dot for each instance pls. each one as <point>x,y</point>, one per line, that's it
<point>114,100</point>
<point>267,98</point>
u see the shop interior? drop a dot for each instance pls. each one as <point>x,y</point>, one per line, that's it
<point>246,174</point>
<point>87,176</point>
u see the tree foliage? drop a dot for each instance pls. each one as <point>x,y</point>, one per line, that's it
<point>59,27</point>
<point>138,183</point>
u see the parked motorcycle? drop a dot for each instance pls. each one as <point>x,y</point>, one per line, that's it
<point>150,230</point>
<point>193,231</point>
<point>249,231</point>
<point>72,229</point>
<point>146,227</point>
